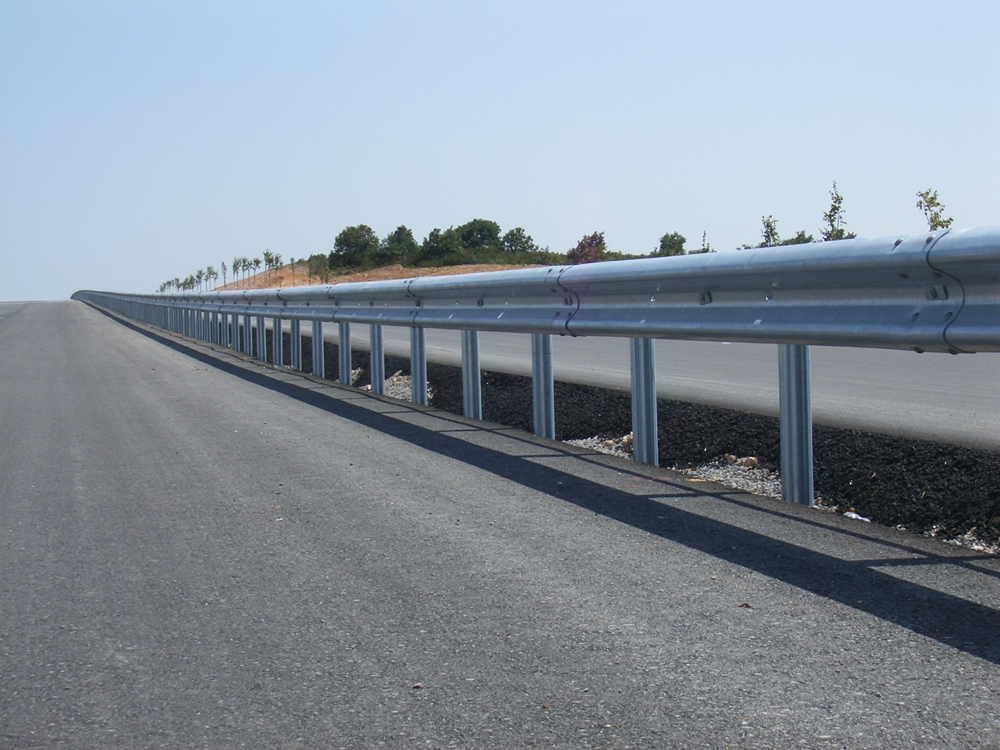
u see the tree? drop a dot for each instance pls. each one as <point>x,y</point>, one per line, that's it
<point>318,266</point>
<point>769,234</point>
<point>671,244</point>
<point>268,263</point>
<point>479,234</point>
<point>440,248</point>
<point>222,267</point>
<point>276,264</point>
<point>834,218</point>
<point>927,201</point>
<point>399,246</point>
<point>210,276</point>
<point>256,265</point>
<point>355,247</point>
<point>516,241</point>
<point>705,247</point>
<point>800,238</point>
<point>590,249</point>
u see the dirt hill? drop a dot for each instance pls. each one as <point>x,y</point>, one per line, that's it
<point>284,276</point>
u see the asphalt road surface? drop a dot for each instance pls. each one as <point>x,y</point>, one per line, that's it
<point>202,551</point>
<point>951,399</point>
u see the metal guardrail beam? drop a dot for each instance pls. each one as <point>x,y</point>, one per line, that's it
<point>935,292</point>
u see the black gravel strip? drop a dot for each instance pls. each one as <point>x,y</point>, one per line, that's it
<point>920,485</point>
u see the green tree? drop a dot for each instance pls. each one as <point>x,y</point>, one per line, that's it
<point>481,237</point>
<point>769,234</point>
<point>319,267</point>
<point>705,247</point>
<point>268,263</point>
<point>590,249</point>
<point>210,276</point>
<point>222,268</point>
<point>800,238</point>
<point>441,248</point>
<point>671,244</point>
<point>516,241</point>
<point>355,247</point>
<point>399,246</point>
<point>834,218</point>
<point>927,201</point>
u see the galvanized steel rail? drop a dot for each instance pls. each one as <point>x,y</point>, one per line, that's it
<point>935,292</point>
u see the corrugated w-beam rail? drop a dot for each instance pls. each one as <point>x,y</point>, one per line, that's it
<point>936,292</point>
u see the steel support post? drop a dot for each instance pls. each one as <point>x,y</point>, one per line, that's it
<point>543,399</point>
<point>296,344</point>
<point>214,318</point>
<point>247,335</point>
<point>234,332</point>
<point>472,388</point>
<point>344,350</point>
<point>318,350</point>
<point>796,424</point>
<point>277,342</point>
<point>418,366</point>
<point>261,339</point>
<point>645,443</point>
<point>377,366</point>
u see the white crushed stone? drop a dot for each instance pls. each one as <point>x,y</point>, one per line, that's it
<point>738,474</point>
<point>396,386</point>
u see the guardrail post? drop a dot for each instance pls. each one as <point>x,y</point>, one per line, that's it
<point>214,323</point>
<point>318,353</point>
<point>277,342</point>
<point>796,424</point>
<point>247,335</point>
<point>543,400</point>
<point>377,365</point>
<point>418,366</point>
<point>234,332</point>
<point>645,443</point>
<point>261,339</point>
<point>472,388</point>
<point>344,351</point>
<point>296,343</point>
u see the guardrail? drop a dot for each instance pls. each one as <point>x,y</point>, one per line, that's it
<point>936,292</point>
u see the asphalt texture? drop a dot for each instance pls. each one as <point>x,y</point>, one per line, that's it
<point>203,551</point>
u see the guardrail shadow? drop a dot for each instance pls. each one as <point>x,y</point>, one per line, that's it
<point>944,617</point>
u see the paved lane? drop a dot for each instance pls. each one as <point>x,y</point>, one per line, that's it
<point>199,551</point>
<point>953,399</point>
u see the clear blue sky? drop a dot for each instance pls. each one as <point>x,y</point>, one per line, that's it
<point>140,141</point>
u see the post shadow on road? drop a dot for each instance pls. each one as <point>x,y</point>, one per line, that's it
<point>946,618</point>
